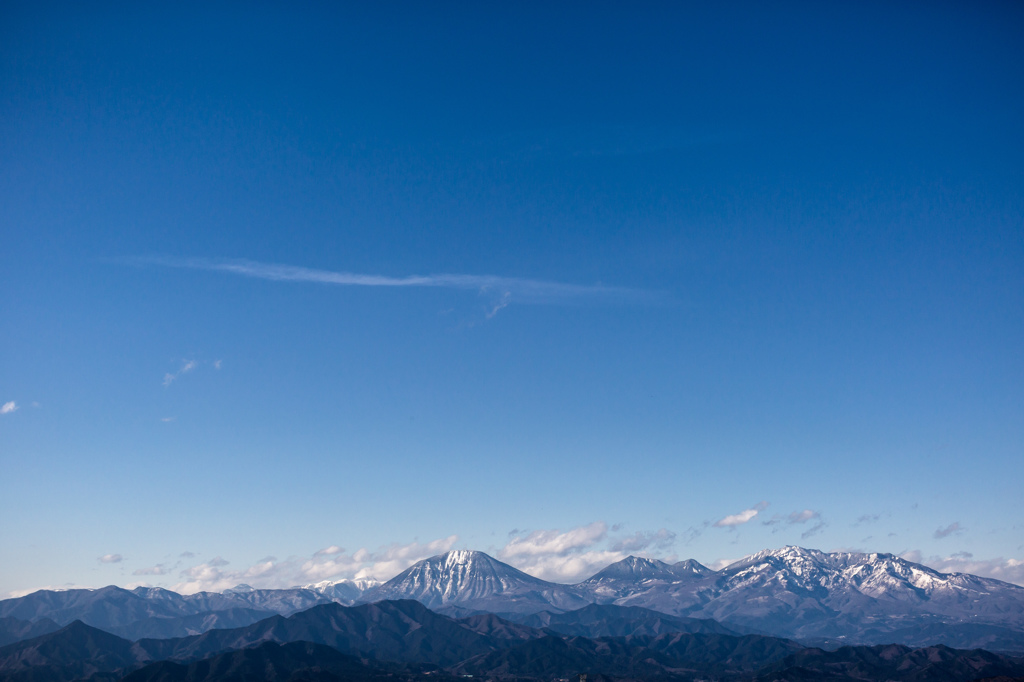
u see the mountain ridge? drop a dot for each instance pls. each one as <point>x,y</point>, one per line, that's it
<point>805,594</point>
<point>406,641</point>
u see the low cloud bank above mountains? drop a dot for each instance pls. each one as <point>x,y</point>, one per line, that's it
<point>561,556</point>
<point>330,562</point>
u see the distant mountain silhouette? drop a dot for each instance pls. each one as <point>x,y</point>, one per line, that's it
<point>818,598</point>
<point>268,661</point>
<point>671,655</point>
<point>15,629</point>
<point>404,641</point>
<point>608,620</point>
<point>400,631</point>
<point>893,662</point>
<point>74,652</point>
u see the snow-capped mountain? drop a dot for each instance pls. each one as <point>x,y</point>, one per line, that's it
<point>635,574</point>
<point>466,580</point>
<point>285,602</point>
<point>803,593</point>
<point>343,591</point>
<point>690,569</point>
<point>792,592</point>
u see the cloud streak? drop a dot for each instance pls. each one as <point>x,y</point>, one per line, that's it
<point>952,529</point>
<point>562,556</point>
<point>159,569</point>
<point>506,288</point>
<point>798,517</point>
<point>186,367</point>
<point>745,516</point>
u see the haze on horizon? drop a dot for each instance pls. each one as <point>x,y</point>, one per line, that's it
<point>296,294</point>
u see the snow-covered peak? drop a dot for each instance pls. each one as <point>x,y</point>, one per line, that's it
<point>875,575</point>
<point>345,591</point>
<point>464,557</point>
<point>361,584</point>
<point>155,593</point>
<point>633,568</point>
<point>691,568</point>
<point>473,579</point>
<point>240,588</point>
<point>636,574</point>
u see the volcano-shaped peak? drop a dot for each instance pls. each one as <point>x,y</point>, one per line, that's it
<point>474,580</point>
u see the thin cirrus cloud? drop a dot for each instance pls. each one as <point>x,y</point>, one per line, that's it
<point>952,529</point>
<point>522,290</point>
<point>662,539</point>
<point>186,367</point>
<point>798,518</point>
<point>159,569</point>
<point>738,519</point>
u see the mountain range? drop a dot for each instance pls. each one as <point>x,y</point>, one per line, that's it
<point>404,641</point>
<point>826,599</point>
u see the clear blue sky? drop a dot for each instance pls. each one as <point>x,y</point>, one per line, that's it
<point>708,262</point>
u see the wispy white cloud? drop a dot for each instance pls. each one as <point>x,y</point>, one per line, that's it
<point>571,568</point>
<point>798,517</point>
<point>502,302</point>
<point>813,530</point>
<point>159,569</point>
<point>795,517</point>
<point>544,542</point>
<point>719,564</point>
<point>186,367</point>
<point>558,556</point>
<point>327,551</point>
<point>562,556</point>
<point>391,560</point>
<point>8,407</point>
<point>803,516</point>
<point>111,559</point>
<point>952,529</point>
<point>745,516</point>
<point>522,290</point>
<point>639,541</point>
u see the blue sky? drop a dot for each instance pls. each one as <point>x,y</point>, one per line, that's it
<point>305,293</point>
